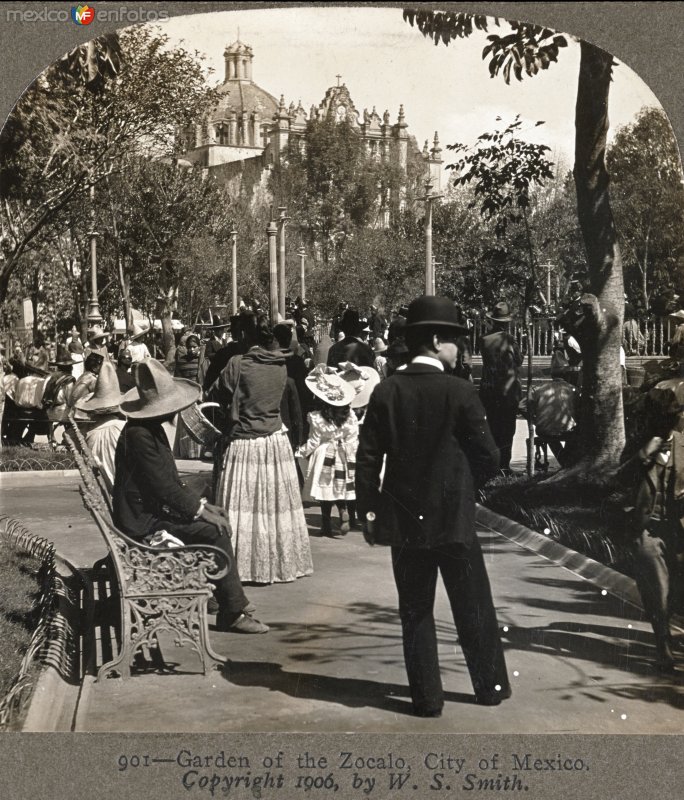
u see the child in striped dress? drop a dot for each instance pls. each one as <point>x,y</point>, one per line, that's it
<point>331,447</point>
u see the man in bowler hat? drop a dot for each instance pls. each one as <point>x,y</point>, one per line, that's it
<point>149,496</point>
<point>429,429</point>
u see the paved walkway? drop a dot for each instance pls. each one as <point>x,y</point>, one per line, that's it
<point>579,656</point>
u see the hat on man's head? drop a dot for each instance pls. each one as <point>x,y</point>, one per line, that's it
<point>362,379</point>
<point>74,331</point>
<point>62,357</point>
<point>135,331</point>
<point>95,334</point>
<point>379,346</point>
<point>327,384</point>
<point>157,394</point>
<point>437,312</point>
<point>350,323</point>
<point>500,313</point>
<point>107,396</point>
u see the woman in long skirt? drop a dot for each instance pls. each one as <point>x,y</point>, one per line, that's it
<point>258,485</point>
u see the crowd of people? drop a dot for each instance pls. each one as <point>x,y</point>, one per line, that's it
<point>366,418</point>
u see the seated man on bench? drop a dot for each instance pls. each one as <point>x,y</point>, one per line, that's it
<point>149,496</point>
<point>551,407</point>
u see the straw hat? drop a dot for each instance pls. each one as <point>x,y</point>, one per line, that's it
<point>362,380</point>
<point>157,394</point>
<point>96,333</point>
<point>107,396</point>
<point>74,331</point>
<point>135,332</point>
<point>379,346</point>
<point>327,384</point>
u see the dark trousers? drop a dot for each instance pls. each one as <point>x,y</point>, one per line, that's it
<point>467,585</point>
<point>656,570</point>
<point>501,418</point>
<point>229,593</point>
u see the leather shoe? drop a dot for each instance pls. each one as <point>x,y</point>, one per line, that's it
<point>243,624</point>
<point>427,712</point>
<point>249,609</point>
<point>493,697</point>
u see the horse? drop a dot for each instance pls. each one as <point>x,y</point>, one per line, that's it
<point>35,405</point>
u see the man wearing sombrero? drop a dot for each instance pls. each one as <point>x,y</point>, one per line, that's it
<point>429,430</point>
<point>102,409</point>
<point>149,496</point>
<point>500,388</point>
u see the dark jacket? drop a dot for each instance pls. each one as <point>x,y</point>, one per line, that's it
<point>351,349</point>
<point>258,379</point>
<point>432,428</point>
<point>501,360</point>
<point>640,475</point>
<point>147,487</point>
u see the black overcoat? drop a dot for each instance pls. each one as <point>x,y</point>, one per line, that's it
<point>433,430</point>
<point>147,488</point>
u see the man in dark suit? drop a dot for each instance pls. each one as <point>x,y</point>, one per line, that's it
<point>351,348</point>
<point>431,428</point>
<point>149,496</point>
<point>500,389</point>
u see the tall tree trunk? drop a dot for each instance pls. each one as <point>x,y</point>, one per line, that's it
<point>600,418</point>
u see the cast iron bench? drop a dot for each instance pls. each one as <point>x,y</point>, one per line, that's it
<point>157,589</point>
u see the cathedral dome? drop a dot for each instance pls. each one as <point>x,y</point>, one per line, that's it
<point>238,94</point>
<point>241,96</point>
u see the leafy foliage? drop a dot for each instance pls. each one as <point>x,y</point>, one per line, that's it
<point>64,137</point>
<point>527,49</point>
<point>648,202</point>
<point>503,169</point>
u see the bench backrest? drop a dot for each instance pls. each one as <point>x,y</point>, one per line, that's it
<point>143,570</point>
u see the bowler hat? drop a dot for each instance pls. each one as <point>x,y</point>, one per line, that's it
<point>157,394</point>
<point>107,396</point>
<point>500,313</point>
<point>379,345</point>
<point>435,311</point>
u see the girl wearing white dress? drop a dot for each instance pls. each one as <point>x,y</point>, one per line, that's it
<point>331,447</point>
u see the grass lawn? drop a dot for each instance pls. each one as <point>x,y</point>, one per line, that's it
<point>590,522</point>
<point>19,459</point>
<point>19,594</point>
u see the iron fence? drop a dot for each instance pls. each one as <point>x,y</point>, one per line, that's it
<point>646,337</point>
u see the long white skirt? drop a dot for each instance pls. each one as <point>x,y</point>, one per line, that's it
<point>260,490</point>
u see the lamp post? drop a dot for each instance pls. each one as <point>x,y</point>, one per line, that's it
<point>93,316</point>
<point>429,262</point>
<point>233,271</point>
<point>282,222</point>
<point>272,232</point>
<point>302,271</point>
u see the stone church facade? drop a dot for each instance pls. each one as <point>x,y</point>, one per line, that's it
<point>249,131</point>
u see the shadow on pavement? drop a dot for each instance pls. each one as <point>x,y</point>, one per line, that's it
<point>350,692</point>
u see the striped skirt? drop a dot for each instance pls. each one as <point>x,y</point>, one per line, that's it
<point>260,490</point>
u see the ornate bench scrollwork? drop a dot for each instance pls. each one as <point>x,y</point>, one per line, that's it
<point>159,589</point>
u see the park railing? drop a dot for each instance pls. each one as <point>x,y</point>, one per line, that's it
<point>645,337</point>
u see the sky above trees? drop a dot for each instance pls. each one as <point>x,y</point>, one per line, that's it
<point>385,62</point>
